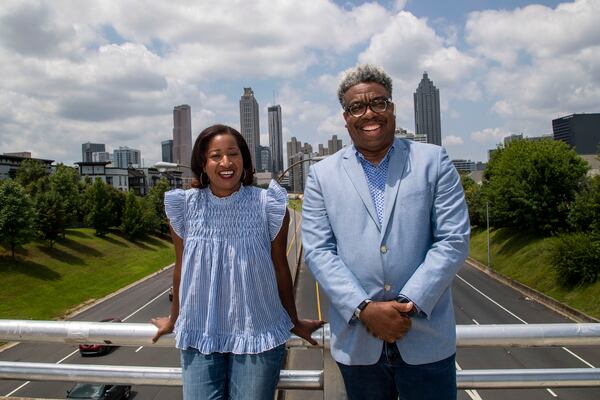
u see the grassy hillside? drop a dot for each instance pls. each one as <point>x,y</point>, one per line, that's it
<point>524,257</point>
<point>43,283</point>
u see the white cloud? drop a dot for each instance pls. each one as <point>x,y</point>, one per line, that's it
<point>489,135</point>
<point>452,140</point>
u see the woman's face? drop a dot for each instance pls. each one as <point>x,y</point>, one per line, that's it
<point>224,165</point>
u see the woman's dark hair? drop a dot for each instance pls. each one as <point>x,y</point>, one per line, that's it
<point>201,146</point>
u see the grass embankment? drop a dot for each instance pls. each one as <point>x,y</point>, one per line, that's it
<point>525,257</point>
<point>44,282</point>
<point>295,204</point>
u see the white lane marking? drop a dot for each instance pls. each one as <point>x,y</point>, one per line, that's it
<point>490,299</point>
<point>144,306</point>
<point>552,393</point>
<point>139,348</point>
<point>522,320</point>
<point>577,357</point>
<point>475,322</point>
<point>472,393</point>
<point>19,388</point>
<point>70,354</point>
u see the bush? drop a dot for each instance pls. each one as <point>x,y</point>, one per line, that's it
<point>576,258</point>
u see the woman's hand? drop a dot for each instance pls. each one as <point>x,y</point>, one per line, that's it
<point>164,325</point>
<point>305,327</point>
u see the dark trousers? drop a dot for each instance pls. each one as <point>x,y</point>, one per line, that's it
<point>392,378</point>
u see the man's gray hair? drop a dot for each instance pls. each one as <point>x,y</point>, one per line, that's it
<point>363,73</point>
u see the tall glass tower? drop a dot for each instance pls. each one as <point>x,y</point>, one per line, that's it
<point>427,111</point>
<point>276,139</point>
<point>249,127</point>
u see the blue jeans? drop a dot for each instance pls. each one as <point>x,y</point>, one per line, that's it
<point>230,376</point>
<point>392,378</point>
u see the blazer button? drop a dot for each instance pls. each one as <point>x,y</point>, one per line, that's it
<point>383,248</point>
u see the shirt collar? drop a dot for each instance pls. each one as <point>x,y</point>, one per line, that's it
<point>362,158</point>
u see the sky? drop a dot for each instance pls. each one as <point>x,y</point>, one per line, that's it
<point>111,71</point>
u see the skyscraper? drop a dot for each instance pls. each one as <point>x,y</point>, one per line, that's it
<point>125,157</point>
<point>167,150</point>
<point>427,111</point>
<point>88,148</point>
<point>182,136</point>
<point>334,144</point>
<point>276,138</point>
<point>249,127</point>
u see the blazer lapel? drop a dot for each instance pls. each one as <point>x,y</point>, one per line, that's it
<point>357,176</point>
<point>398,160</point>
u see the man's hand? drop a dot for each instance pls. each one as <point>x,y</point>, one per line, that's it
<point>387,320</point>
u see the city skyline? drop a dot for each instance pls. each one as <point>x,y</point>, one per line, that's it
<point>95,73</point>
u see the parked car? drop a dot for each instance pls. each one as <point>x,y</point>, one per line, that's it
<point>99,391</point>
<point>171,293</point>
<point>98,349</point>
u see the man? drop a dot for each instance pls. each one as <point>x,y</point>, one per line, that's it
<point>385,228</point>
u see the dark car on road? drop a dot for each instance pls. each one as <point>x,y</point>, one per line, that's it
<point>99,391</point>
<point>98,349</point>
<point>171,293</point>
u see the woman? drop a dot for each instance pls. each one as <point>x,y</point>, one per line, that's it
<point>233,305</point>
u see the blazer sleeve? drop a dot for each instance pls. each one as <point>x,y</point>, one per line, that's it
<point>320,247</point>
<point>451,232</point>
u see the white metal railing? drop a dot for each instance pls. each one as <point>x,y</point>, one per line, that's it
<point>132,334</point>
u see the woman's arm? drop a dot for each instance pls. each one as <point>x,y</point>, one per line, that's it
<point>167,324</point>
<point>302,328</point>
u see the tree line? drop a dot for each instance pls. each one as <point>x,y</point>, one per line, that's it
<point>543,186</point>
<point>37,204</point>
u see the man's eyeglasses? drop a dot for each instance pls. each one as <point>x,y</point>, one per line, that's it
<point>377,105</point>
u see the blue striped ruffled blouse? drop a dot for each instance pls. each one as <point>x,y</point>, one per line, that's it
<point>228,296</point>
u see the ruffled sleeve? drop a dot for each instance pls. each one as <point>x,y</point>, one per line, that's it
<point>277,201</point>
<point>175,210</point>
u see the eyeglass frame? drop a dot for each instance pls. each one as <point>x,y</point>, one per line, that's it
<point>388,101</point>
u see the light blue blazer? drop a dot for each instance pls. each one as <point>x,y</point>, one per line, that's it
<point>418,249</point>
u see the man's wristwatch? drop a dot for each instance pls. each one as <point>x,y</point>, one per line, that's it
<point>360,307</point>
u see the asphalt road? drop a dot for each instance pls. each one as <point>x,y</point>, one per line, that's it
<point>478,300</point>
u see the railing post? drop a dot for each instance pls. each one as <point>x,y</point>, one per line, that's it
<point>333,384</point>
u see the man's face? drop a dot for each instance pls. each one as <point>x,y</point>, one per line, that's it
<point>372,133</point>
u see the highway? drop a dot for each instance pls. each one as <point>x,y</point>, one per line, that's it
<point>478,300</point>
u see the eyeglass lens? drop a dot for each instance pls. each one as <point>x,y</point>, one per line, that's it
<point>376,105</point>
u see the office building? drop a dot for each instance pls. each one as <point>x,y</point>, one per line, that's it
<point>11,162</point>
<point>87,149</point>
<point>263,163</point>
<point>249,126</point>
<point>126,157</point>
<point>427,111</point>
<point>404,134</point>
<point>167,150</point>
<point>276,138</point>
<point>297,152</point>
<point>580,131</point>
<point>334,144</point>
<point>464,165</point>
<point>182,137</point>
<point>101,156</point>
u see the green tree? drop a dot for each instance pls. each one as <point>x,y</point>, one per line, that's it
<point>531,184</point>
<point>156,198</point>
<point>99,207</point>
<point>475,200</point>
<point>133,217</point>
<point>16,216</point>
<point>65,182</point>
<point>29,174</point>
<point>576,258</point>
<point>585,210</point>
<point>117,199</point>
<point>51,216</point>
